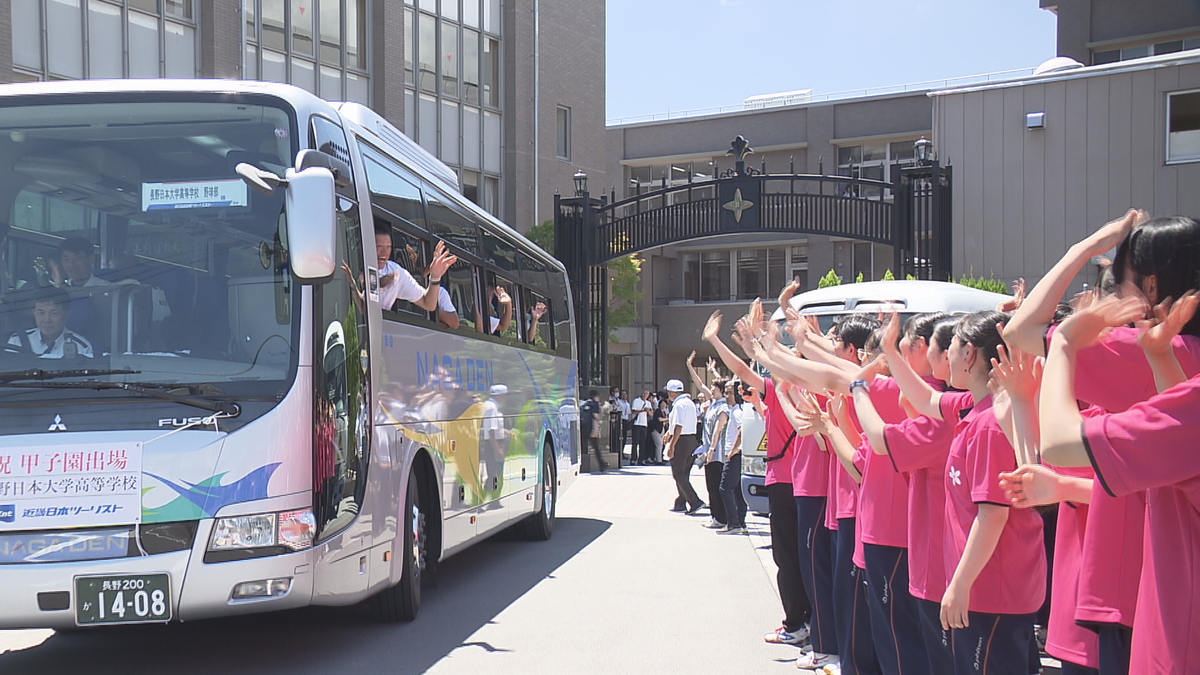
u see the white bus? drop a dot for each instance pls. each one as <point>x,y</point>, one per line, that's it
<point>229,422</point>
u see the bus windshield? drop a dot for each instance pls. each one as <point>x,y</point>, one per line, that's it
<point>131,249</point>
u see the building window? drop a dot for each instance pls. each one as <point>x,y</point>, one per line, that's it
<point>134,38</point>
<point>878,160</point>
<point>1183,127</point>
<point>452,96</point>
<point>314,44</point>
<point>1141,51</point>
<point>563,127</point>
<point>653,177</point>
<point>742,274</point>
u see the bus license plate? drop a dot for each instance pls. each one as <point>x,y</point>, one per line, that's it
<point>123,599</point>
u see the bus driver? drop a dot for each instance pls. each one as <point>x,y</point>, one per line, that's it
<point>51,339</point>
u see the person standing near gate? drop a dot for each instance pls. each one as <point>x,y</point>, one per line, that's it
<point>589,426</point>
<point>681,425</point>
<point>640,411</point>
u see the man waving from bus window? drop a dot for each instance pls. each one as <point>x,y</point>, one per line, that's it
<point>396,283</point>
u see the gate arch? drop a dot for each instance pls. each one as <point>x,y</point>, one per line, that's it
<point>911,214</point>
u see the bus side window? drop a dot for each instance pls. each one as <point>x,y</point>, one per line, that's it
<point>460,285</point>
<point>537,319</point>
<point>560,309</point>
<point>399,267</point>
<point>501,305</point>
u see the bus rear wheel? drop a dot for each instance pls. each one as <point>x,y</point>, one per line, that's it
<point>402,601</point>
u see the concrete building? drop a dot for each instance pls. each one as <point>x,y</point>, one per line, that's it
<point>1123,131</point>
<point>510,94</point>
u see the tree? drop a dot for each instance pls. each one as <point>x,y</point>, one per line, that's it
<point>858,279</point>
<point>888,276</point>
<point>830,279</point>
<point>624,273</point>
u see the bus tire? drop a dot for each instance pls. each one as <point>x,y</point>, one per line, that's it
<point>402,601</point>
<point>539,526</point>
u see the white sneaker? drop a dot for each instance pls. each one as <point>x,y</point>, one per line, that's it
<point>815,662</point>
<point>833,669</point>
<point>783,636</point>
<point>712,524</point>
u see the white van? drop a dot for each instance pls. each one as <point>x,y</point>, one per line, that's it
<point>907,297</point>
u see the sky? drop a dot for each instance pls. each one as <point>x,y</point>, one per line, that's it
<point>676,55</point>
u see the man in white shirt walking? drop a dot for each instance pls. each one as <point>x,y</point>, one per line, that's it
<point>681,445</point>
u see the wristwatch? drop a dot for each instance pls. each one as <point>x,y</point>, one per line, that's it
<point>859,383</point>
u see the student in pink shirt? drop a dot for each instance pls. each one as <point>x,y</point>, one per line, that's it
<point>1151,260</point>
<point>918,447</point>
<point>819,545</point>
<point>1142,448</point>
<point>995,553</point>
<point>785,547</point>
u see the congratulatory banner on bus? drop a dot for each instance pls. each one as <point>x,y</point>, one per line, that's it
<point>68,486</point>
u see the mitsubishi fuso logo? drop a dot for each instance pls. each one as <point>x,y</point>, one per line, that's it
<point>57,425</point>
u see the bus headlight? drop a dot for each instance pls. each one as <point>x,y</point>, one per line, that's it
<point>757,466</point>
<point>290,529</point>
<point>243,532</point>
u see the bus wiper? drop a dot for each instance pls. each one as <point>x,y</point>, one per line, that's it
<point>229,408</point>
<point>39,374</point>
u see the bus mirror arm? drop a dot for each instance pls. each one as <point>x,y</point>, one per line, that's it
<point>262,181</point>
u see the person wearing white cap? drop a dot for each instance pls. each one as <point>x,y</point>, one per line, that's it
<point>681,425</point>
<point>494,445</point>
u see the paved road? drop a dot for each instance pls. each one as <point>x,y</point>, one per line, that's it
<point>623,587</point>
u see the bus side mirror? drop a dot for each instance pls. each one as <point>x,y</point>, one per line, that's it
<point>311,223</point>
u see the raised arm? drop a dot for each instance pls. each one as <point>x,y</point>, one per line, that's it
<point>1060,424</point>
<point>1027,328</point>
<point>738,367</point>
<point>923,398</point>
<point>442,261</point>
<point>697,381</point>
<point>868,417</point>
<point>1020,374</point>
<point>1169,318</point>
<point>816,421</point>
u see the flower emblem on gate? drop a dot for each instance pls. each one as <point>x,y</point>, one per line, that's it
<point>737,205</point>
<point>955,476</point>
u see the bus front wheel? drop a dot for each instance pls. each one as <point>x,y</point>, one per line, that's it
<point>402,601</point>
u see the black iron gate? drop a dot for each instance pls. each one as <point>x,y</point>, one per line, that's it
<point>911,214</point>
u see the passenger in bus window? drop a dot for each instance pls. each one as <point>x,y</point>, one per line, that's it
<point>76,260</point>
<point>533,336</point>
<point>51,339</point>
<point>397,283</point>
<point>501,305</point>
<point>447,314</point>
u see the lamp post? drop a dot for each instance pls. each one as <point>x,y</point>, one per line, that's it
<point>923,149</point>
<point>580,183</point>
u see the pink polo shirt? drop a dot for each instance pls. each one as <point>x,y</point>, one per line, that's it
<point>1114,374</point>
<point>1066,639</point>
<point>1111,569</point>
<point>883,495</point>
<point>811,469</point>
<point>920,447</point>
<point>778,431</point>
<point>1151,447</point>
<point>1014,579</point>
<point>843,500</point>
